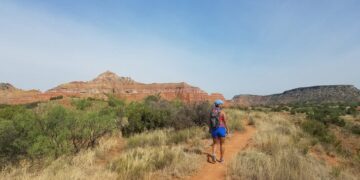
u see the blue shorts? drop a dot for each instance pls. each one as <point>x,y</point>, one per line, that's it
<point>218,132</point>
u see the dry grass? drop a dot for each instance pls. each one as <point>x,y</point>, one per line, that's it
<point>155,163</point>
<point>160,154</point>
<point>280,152</point>
<point>81,166</point>
<point>167,137</point>
<point>235,119</point>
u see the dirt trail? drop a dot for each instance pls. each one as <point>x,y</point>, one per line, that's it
<point>234,144</point>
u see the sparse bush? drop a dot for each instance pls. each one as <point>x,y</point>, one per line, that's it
<point>89,127</point>
<point>115,102</point>
<point>251,121</point>
<point>16,124</point>
<point>155,113</point>
<point>8,112</point>
<point>355,129</point>
<point>81,104</point>
<point>318,130</point>
<point>142,117</point>
<point>50,131</point>
<point>235,119</point>
<point>56,98</point>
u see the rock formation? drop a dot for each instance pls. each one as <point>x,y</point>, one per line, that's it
<point>315,94</point>
<point>109,83</point>
<point>11,95</point>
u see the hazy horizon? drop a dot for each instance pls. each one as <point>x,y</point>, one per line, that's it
<point>231,47</point>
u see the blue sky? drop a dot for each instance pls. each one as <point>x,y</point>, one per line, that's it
<point>232,47</point>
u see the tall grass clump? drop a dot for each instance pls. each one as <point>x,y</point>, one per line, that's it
<point>152,138</point>
<point>155,162</point>
<point>235,119</point>
<point>166,137</point>
<point>161,154</point>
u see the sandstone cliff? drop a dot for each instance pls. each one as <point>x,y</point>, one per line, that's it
<point>315,94</point>
<point>11,95</point>
<point>110,83</point>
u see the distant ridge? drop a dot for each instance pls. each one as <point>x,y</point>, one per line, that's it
<point>313,94</point>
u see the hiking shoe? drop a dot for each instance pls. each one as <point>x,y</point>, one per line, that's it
<point>221,161</point>
<point>213,157</point>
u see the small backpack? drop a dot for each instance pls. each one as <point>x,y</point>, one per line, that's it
<point>215,117</point>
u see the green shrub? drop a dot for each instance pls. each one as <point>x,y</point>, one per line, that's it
<point>8,112</point>
<point>50,131</point>
<point>89,127</point>
<point>115,102</point>
<point>155,114</point>
<point>318,130</point>
<point>355,129</point>
<point>142,117</point>
<point>56,98</point>
<point>81,104</point>
<point>15,134</point>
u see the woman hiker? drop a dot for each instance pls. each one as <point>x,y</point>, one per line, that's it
<point>218,129</point>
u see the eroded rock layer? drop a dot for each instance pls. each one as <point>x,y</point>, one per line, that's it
<point>108,83</point>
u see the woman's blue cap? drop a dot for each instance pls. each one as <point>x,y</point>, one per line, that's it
<point>219,102</point>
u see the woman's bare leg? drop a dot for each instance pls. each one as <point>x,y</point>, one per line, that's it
<point>215,141</point>
<point>222,148</point>
<point>214,146</point>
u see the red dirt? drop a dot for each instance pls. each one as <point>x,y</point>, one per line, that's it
<point>237,142</point>
<point>331,160</point>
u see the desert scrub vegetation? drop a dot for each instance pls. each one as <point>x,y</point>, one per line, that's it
<point>161,154</point>
<point>235,118</point>
<point>36,140</point>
<point>280,150</point>
<point>50,130</point>
<point>80,166</point>
<point>158,162</point>
<point>142,157</point>
<point>167,137</point>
